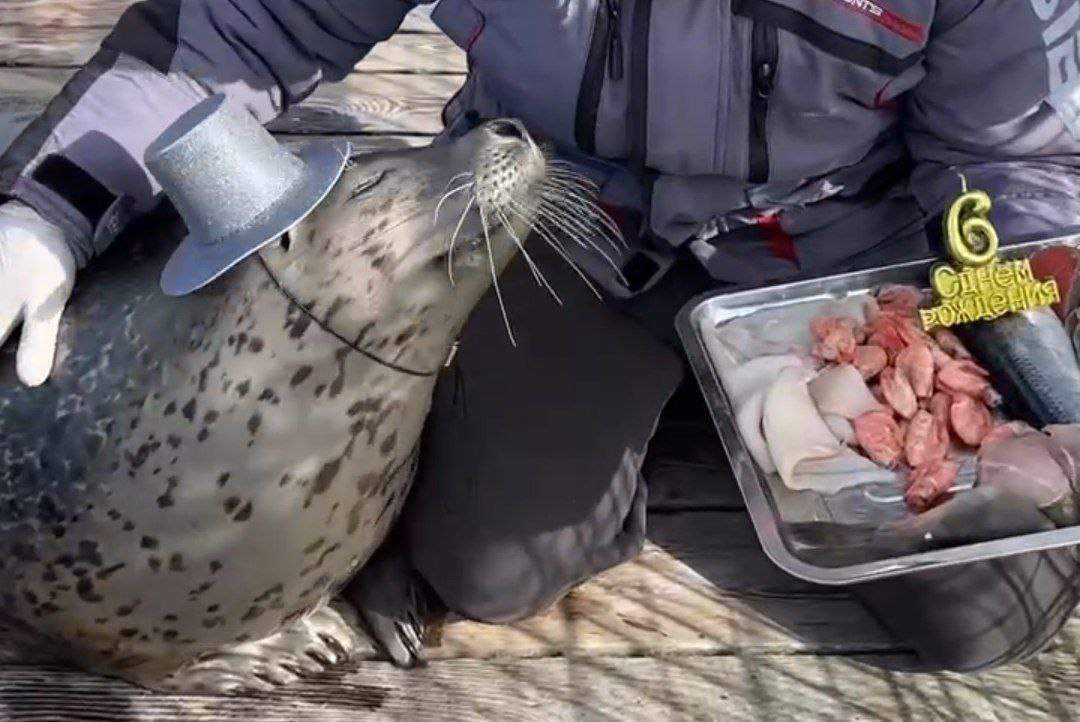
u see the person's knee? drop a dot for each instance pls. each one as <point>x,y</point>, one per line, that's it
<point>493,582</point>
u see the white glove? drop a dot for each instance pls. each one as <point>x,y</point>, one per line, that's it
<point>37,273</point>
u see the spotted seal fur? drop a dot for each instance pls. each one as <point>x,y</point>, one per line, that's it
<point>183,500</point>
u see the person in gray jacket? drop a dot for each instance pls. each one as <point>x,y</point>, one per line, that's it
<point>754,140</point>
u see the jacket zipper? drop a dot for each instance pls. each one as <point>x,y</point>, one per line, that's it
<point>764,53</point>
<point>605,55</point>
<point>637,122</point>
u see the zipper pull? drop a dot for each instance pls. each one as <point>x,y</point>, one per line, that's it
<point>615,41</point>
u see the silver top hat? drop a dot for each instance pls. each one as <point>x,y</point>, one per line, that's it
<point>236,188</point>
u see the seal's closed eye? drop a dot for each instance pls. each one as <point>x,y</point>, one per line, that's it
<point>366,184</point>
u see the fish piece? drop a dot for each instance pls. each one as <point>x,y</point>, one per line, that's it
<point>970,419</point>
<point>1062,264</point>
<point>870,360</point>
<point>950,343</point>
<point>899,298</point>
<point>841,390</point>
<point>963,376</point>
<point>879,436</point>
<point>1032,364</point>
<point>931,484</point>
<point>836,473</point>
<point>924,440</point>
<point>1066,440</point>
<point>745,379</point>
<point>835,337</point>
<point>898,392</point>
<point>1007,430</point>
<point>748,417</point>
<point>916,363</point>
<point>794,430</point>
<point>1028,465</point>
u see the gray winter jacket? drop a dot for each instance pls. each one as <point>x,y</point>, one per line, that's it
<point>770,137</point>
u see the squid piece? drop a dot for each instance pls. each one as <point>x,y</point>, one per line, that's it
<point>748,419</point>
<point>842,391</point>
<point>744,380</point>
<point>794,430</point>
<point>842,429</point>
<point>782,330</point>
<point>836,473</point>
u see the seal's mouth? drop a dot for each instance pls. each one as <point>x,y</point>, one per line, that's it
<point>519,188</point>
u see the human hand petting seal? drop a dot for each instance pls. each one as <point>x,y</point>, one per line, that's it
<point>37,273</point>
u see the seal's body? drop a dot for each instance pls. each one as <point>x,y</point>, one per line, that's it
<point>206,471</point>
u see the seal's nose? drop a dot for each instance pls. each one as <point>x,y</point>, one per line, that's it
<point>507,129</point>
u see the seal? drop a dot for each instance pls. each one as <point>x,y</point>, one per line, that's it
<point>180,505</point>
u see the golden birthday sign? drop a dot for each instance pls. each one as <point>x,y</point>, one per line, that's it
<point>978,286</point>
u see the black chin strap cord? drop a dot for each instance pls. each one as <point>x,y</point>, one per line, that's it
<point>318,322</point>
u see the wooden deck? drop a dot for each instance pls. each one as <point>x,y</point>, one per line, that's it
<point>700,626</point>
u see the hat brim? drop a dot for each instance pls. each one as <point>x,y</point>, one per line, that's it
<point>198,261</point>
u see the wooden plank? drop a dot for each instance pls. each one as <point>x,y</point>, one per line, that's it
<point>787,688</point>
<point>362,103</point>
<point>48,47</point>
<point>63,14</point>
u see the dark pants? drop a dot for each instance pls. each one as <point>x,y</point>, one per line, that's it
<point>530,479</point>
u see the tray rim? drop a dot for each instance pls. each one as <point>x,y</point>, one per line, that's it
<point>753,487</point>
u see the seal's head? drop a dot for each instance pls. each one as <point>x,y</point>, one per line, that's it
<point>409,240</point>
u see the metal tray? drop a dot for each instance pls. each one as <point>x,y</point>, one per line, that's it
<point>763,501</point>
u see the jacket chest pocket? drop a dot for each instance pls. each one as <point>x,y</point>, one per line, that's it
<point>825,75</point>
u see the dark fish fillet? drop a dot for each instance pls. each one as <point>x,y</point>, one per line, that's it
<point>1031,363</point>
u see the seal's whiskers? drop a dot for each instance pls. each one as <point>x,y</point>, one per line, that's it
<point>449,194</point>
<point>576,230</point>
<point>542,231</point>
<point>495,277</point>
<point>537,274</point>
<point>587,210</point>
<point>454,236</point>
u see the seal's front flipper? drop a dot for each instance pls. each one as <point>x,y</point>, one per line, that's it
<point>394,603</point>
<point>327,637</point>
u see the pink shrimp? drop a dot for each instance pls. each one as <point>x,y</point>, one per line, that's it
<point>924,441</point>
<point>835,337</point>
<point>899,298</point>
<point>879,436</point>
<point>963,376</point>
<point>931,484</point>
<point>970,419</point>
<point>916,363</point>
<point>898,392</point>
<point>870,360</point>
<point>950,343</point>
